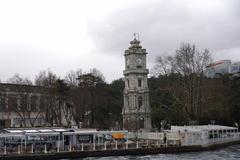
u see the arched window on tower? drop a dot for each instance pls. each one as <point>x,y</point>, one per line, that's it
<point>139,82</point>
<point>128,83</point>
<point>140,102</point>
<point>141,122</point>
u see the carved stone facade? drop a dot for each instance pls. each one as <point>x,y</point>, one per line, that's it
<point>136,110</point>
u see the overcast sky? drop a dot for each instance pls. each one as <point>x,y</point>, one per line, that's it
<point>65,35</point>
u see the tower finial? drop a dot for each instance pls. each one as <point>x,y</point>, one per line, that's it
<point>136,36</point>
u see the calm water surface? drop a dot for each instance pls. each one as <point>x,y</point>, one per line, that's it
<point>229,153</point>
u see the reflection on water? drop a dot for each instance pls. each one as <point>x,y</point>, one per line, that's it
<point>229,153</point>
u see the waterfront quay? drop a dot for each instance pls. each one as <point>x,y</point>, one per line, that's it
<point>38,143</point>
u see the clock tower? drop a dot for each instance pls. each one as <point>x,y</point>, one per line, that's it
<point>136,109</point>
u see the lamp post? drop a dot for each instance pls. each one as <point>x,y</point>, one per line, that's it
<point>163,123</point>
<point>213,122</point>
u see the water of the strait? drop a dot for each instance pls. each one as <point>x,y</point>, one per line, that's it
<point>229,153</point>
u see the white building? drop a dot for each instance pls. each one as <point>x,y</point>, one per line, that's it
<point>222,67</point>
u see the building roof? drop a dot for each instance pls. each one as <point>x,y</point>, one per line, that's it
<point>198,128</point>
<point>7,87</point>
<point>33,130</point>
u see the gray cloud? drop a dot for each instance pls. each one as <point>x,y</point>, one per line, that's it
<point>86,34</point>
<point>164,25</point>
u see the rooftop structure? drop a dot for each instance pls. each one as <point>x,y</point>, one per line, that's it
<point>204,135</point>
<point>199,128</point>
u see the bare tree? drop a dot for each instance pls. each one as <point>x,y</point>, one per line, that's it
<point>26,105</point>
<point>57,101</point>
<point>23,101</point>
<point>71,77</point>
<point>17,79</point>
<point>46,78</point>
<point>191,64</point>
<point>97,73</point>
<point>189,60</point>
<point>164,66</point>
<point>83,96</point>
<point>68,113</point>
<point>188,65</point>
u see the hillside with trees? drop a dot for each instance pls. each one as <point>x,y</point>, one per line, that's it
<point>179,94</point>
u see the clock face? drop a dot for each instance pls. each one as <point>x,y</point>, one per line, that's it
<point>139,61</point>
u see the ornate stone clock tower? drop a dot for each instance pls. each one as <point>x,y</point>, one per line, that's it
<point>136,109</point>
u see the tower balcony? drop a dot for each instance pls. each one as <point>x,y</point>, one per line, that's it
<point>135,71</point>
<point>136,112</point>
<point>135,90</point>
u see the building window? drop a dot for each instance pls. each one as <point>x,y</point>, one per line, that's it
<point>2,103</point>
<point>128,83</point>
<point>12,103</point>
<point>139,83</point>
<point>34,103</point>
<point>140,102</point>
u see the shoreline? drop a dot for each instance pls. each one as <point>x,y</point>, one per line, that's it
<point>119,152</point>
